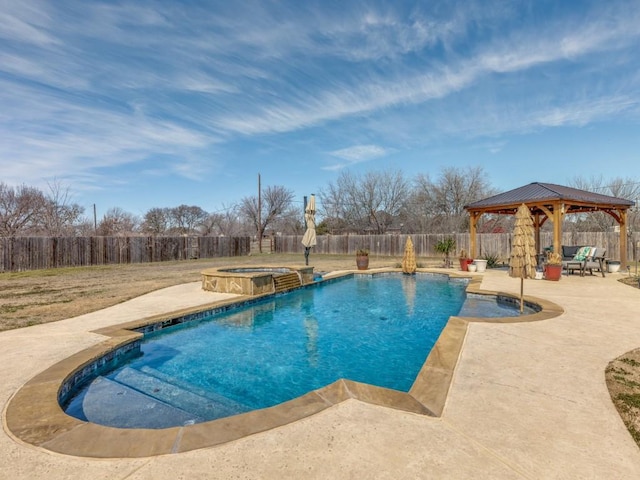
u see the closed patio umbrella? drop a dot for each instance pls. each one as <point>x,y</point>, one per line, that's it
<point>522,263</point>
<point>409,258</point>
<point>309,237</point>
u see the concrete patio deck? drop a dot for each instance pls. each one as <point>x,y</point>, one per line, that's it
<point>528,400</point>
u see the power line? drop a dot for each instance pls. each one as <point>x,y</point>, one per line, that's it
<point>609,187</point>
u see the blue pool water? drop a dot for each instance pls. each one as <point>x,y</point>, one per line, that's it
<point>378,330</point>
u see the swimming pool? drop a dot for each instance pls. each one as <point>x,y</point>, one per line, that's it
<point>372,329</point>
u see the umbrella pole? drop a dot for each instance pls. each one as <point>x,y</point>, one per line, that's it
<point>306,255</point>
<point>521,294</point>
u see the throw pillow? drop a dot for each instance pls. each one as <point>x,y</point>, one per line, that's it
<point>582,253</point>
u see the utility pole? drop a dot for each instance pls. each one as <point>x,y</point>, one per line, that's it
<point>259,216</point>
<point>95,220</point>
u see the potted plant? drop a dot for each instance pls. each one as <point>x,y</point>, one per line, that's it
<point>445,247</point>
<point>464,261</point>
<point>481,264</point>
<point>362,259</point>
<point>553,266</point>
<point>613,266</point>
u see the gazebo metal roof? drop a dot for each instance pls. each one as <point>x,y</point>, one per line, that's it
<point>548,201</point>
<point>537,193</point>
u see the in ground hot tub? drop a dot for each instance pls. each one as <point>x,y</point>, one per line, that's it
<point>255,280</point>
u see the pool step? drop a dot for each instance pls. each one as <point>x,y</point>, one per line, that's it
<point>107,402</point>
<point>228,403</point>
<point>199,406</point>
<point>286,281</point>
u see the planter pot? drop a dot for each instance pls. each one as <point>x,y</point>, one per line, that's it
<point>553,272</point>
<point>464,264</point>
<point>481,265</point>
<point>613,266</point>
<point>472,267</point>
<point>362,261</point>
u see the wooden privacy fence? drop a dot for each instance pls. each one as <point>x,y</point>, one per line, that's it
<point>488,244</point>
<point>33,253</point>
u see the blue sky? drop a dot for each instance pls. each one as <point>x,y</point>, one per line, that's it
<point>141,104</point>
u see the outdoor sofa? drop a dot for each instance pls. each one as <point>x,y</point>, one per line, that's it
<point>583,258</point>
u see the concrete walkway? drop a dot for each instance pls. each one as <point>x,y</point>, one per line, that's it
<point>528,400</point>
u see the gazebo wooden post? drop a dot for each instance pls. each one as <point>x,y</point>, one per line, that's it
<point>623,239</point>
<point>472,233</point>
<point>536,220</point>
<point>557,227</point>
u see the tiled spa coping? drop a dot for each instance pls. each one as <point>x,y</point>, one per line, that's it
<point>35,416</point>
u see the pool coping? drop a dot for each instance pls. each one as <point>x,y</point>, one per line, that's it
<point>34,415</point>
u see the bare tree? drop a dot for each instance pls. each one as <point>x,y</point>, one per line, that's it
<point>332,208</point>
<point>228,222</point>
<point>290,222</point>
<point>117,222</point>
<point>275,201</point>
<point>448,196</point>
<point>369,203</point>
<point>626,188</point>
<point>389,194</point>
<point>59,216</point>
<point>20,209</point>
<point>209,225</point>
<point>156,221</point>
<point>420,206</point>
<point>85,227</point>
<point>186,219</point>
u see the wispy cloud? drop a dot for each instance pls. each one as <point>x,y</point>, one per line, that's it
<point>356,154</point>
<point>25,22</point>
<point>348,97</point>
<point>585,112</point>
<point>54,136</point>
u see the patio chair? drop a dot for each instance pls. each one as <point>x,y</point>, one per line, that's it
<point>596,261</point>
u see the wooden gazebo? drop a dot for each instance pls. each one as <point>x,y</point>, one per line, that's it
<point>547,201</point>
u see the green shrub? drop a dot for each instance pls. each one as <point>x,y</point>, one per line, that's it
<point>493,260</point>
<point>445,247</point>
